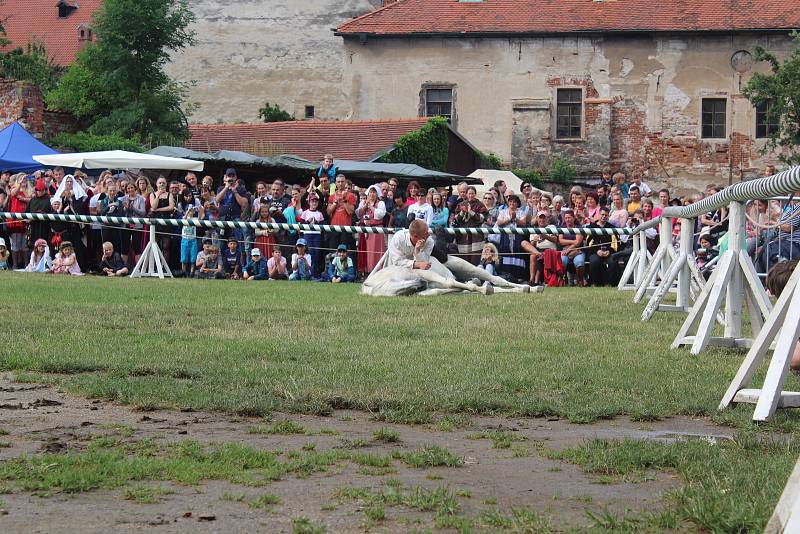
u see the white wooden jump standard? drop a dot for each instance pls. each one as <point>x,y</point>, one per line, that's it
<point>783,325</point>
<point>733,278</point>
<point>660,263</point>
<point>151,262</point>
<point>690,282</point>
<point>637,263</point>
<point>786,517</point>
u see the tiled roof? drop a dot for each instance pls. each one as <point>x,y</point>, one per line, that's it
<point>570,16</point>
<point>38,21</point>
<point>353,140</point>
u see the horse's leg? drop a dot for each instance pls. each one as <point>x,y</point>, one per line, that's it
<point>437,281</point>
<point>437,291</point>
<point>464,270</point>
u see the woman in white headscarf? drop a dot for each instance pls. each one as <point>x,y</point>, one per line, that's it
<point>370,246</point>
<point>74,201</point>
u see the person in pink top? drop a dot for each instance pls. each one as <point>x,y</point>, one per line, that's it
<point>65,261</point>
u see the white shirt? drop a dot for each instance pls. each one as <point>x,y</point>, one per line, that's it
<point>402,253</point>
<point>422,211</point>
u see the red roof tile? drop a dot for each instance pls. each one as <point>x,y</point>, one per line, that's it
<point>570,16</point>
<point>38,21</point>
<point>353,140</point>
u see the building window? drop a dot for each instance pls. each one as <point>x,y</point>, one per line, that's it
<point>309,112</point>
<point>439,103</point>
<point>714,118</point>
<point>65,9</point>
<point>765,125</point>
<point>569,113</point>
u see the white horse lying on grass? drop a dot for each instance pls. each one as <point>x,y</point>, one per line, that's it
<point>395,274</point>
<point>392,281</point>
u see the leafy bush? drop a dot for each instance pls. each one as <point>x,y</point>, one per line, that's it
<point>562,170</point>
<point>30,65</point>
<point>87,142</point>
<point>426,147</point>
<point>274,113</point>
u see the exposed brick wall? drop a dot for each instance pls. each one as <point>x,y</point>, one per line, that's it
<point>23,102</point>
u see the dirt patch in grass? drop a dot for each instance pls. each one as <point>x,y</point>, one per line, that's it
<point>380,478</point>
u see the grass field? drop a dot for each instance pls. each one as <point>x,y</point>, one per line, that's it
<point>255,348</point>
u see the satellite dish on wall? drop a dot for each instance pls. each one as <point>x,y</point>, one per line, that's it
<point>742,61</point>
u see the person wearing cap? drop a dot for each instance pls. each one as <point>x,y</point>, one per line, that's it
<point>341,269</point>
<point>256,268</point>
<point>232,259</point>
<point>40,261</point>
<point>301,262</point>
<point>212,267</point>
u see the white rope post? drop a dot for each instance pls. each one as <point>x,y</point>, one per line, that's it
<point>786,517</point>
<point>684,276</point>
<point>629,274</point>
<point>151,262</point>
<point>659,265</point>
<point>783,325</point>
<point>727,283</point>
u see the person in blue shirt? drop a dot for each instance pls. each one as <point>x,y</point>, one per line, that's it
<point>256,268</point>
<point>232,259</point>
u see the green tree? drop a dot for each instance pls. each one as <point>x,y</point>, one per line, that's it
<point>117,86</point>
<point>274,113</point>
<point>780,91</point>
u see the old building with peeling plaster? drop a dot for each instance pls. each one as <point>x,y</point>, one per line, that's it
<point>531,89</point>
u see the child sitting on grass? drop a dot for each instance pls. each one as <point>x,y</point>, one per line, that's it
<point>232,259</point>
<point>301,262</point>
<point>212,265</point>
<point>276,265</point>
<point>65,261</point>
<point>341,268</point>
<point>777,279</point>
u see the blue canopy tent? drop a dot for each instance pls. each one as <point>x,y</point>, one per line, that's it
<point>16,148</point>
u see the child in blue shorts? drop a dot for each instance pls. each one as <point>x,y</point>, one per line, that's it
<point>189,244</point>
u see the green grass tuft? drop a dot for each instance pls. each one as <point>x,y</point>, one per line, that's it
<point>386,435</point>
<point>431,456</point>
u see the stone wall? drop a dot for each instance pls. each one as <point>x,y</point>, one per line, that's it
<point>642,97</point>
<point>250,52</point>
<point>21,101</point>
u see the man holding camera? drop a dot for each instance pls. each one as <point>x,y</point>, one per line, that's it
<point>232,198</point>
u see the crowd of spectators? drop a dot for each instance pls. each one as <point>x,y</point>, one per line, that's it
<point>329,197</point>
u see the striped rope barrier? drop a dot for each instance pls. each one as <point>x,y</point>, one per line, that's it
<point>784,183</point>
<point>548,230</point>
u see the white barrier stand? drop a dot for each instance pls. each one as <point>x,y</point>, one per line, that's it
<point>783,325</point>
<point>684,270</point>
<point>734,276</point>
<point>660,263</point>
<point>637,264</point>
<point>151,262</point>
<point>786,517</point>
